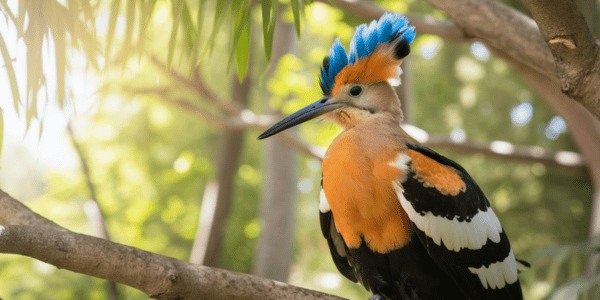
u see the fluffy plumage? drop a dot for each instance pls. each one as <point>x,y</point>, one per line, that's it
<point>390,37</point>
<point>401,219</point>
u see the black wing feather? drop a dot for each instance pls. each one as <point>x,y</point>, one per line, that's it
<point>463,206</point>
<point>336,244</point>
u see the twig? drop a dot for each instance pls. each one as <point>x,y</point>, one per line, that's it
<point>197,85</point>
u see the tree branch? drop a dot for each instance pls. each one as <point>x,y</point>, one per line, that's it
<point>424,25</point>
<point>96,214</point>
<point>517,35</point>
<point>85,169</point>
<point>196,84</point>
<point>503,27</point>
<point>575,50</point>
<point>26,233</point>
<point>501,149</point>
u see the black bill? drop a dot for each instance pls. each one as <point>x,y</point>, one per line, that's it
<point>311,111</point>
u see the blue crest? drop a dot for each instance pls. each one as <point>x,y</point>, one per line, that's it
<point>390,28</point>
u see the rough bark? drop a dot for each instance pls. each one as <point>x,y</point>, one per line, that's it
<point>26,233</point>
<point>278,199</point>
<point>517,35</point>
<point>576,52</point>
<point>423,25</point>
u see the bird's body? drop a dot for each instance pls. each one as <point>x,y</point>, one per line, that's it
<point>404,221</point>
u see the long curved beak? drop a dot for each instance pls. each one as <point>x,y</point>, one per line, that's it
<point>311,111</point>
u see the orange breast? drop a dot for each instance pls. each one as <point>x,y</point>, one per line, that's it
<point>359,188</point>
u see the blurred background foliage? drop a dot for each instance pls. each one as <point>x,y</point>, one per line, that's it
<point>122,72</point>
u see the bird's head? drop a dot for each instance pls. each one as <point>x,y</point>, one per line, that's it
<point>357,86</point>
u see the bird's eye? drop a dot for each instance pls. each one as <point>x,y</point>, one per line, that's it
<point>355,90</point>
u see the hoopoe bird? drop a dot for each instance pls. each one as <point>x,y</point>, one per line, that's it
<point>401,219</point>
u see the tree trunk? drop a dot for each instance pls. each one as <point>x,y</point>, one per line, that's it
<point>277,209</point>
<point>218,194</point>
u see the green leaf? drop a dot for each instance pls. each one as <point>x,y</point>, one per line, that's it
<point>115,7</point>
<point>188,27</point>
<point>242,54</point>
<point>220,12</point>
<point>146,9</point>
<point>241,27</point>
<point>10,72</point>
<point>296,12</point>
<point>177,10</point>
<point>197,38</point>
<point>200,17</point>
<point>269,14</point>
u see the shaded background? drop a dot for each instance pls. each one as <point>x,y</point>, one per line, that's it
<point>137,121</point>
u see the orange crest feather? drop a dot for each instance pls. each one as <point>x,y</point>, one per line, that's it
<point>381,65</point>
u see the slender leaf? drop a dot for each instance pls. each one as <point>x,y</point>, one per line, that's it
<point>82,32</point>
<point>20,20</point>
<point>146,9</point>
<point>177,10</point>
<point>115,7</point>
<point>10,71</point>
<point>200,18</point>
<point>296,12</point>
<point>188,27</point>
<point>61,64</point>
<point>266,8</point>
<point>129,27</point>
<point>34,37</point>
<point>243,49</point>
<point>197,38</point>
<point>220,12</point>
<point>241,18</point>
<point>7,12</point>
<point>269,14</point>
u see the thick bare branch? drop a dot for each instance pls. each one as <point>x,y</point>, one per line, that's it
<point>13,212</point>
<point>576,52</point>
<point>504,28</point>
<point>424,25</point>
<point>517,35</point>
<point>25,233</point>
